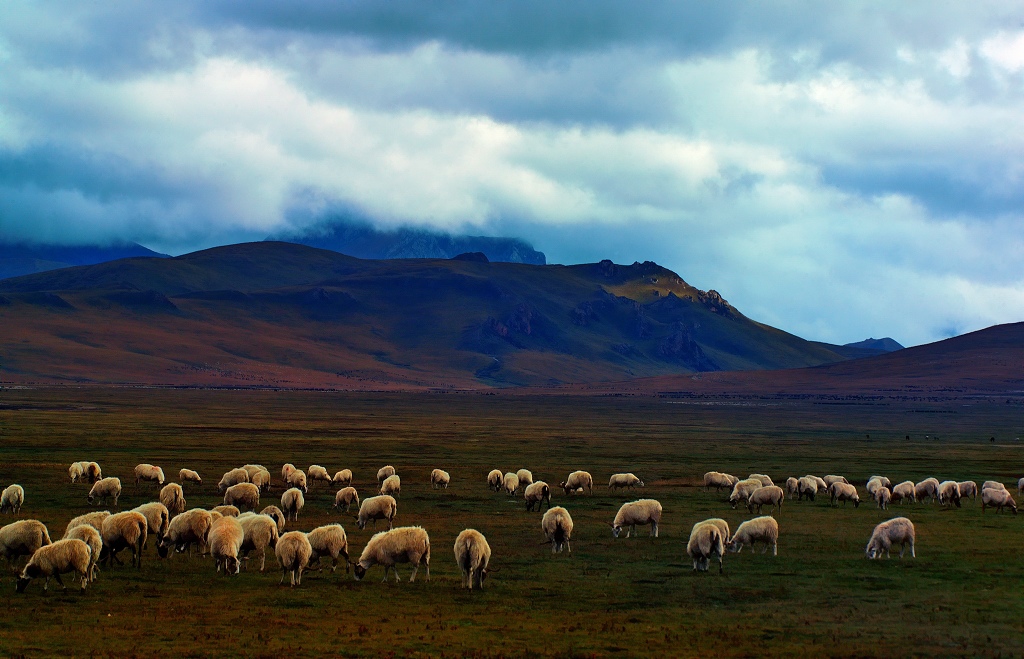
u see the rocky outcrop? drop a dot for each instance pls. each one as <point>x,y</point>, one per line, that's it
<point>680,346</point>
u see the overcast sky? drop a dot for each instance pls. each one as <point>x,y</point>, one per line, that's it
<point>838,170</point>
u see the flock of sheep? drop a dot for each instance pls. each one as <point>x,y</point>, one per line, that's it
<point>233,530</point>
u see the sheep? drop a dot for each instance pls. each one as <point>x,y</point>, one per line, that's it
<point>766,481</point>
<point>772,495</point>
<point>807,487</point>
<point>243,495</point>
<point>472,555</point>
<point>992,484</point>
<point>292,502</point>
<point>406,544</point>
<point>642,511</point>
<point>844,492</point>
<point>760,529</point>
<point>384,472</point>
<point>792,486</point>
<point>929,487</point>
<point>93,472</point>
<point>147,472</point>
<point>874,484</point>
<point>624,480</point>
<point>718,480</point>
<point>742,489</point>
<point>12,498</point>
<point>346,496</point>
<point>997,499</point>
<point>896,530</point>
<point>261,479</point>
<point>968,489</point>
<point>379,507</point>
<point>105,487</point>
<point>293,551</point>
<point>61,557</point>
<point>127,530</point>
<point>722,525</point>
<point>525,477</point>
<point>189,528</point>
<point>231,478</point>
<point>91,537</point>
<point>882,480</point>
<point>440,478</point>
<point>258,533</point>
<point>557,527</point>
<point>227,510</point>
<point>905,490</point>
<point>189,476</point>
<point>329,540</point>
<point>706,542</point>
<point>392,485</point>
<point>1020,486</point>
<point>510,483</point>
<point>494,479</point>
<point>286,469</point>
<point>821,486</point>
<point>832,478</point>
<point>157,519</point>
<point>76,471</point>
<point>317,473</point>
<point>343,477</point>
<point>253,469</point>
<point>22,538</point>
<point>578,480</point>
<point>225,542</point>
<point>94,520</point>
<point>949,493</point>
<point>173,497</point>
<point>277,515</point>
<point>536,494</point>
<point>882,497</point>
<point>297,480</point>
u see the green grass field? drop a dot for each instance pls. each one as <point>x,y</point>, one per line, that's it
<point>820,597</point>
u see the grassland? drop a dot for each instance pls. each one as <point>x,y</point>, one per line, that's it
<point>820,597</point>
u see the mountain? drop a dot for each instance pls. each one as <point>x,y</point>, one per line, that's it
<point>366,242</point>
<point>17,259</point>
<point>282,314</point>
<point>881,345</point>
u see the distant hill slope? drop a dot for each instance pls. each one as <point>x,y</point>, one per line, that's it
<point>288,315</point>
<point>17,259</point>
<point>881,345</point>
<point>367,242</point>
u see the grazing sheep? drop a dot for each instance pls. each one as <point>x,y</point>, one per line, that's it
<point>807,487</point>
<point>557,527</point>
<point>896,530</point>
<point>718,480</point>
<point>379,507</point>
<point>406,544</point>
<point>845,492</point>
<point>94,520</point>
<point>494,479</point>
<point>343,477</point>
<point>103,488</point>
<point>968,489</point>
<point>766,481</point>
<point>12,499</point>
<point>525,477</point>
<point>157,519</point>
<point>22,538</point>
<point>91,537</point>
<point>578,480</point>
<point>189,476</point>
<point>93,472</point>
<point>642,511</point>
<point>286,470</point>
<point>55,559</point>
<point>149,473</point>
<point>792,486</point>
<point>225,543</point>
<point>127,530</point>
<point>317,473</point>
<point>771,495</point>
<point>392,485</point>
<point>232,478</point>
<point>76,471</point>
<point>722,525</point>
<point>297,479</point>
<point>173,497</point>
<point>292,502</point>
<point>258,533</point>
<point>905,490</point>
<point>832,478</point>
<point>998,499</point>
<point>929,487</point>
<point>472,555</point>
<point>510,483</point>
<point>882,497</point>
<point>329,540</point>
<point>536,494</point>
<point>822,488</point>
<point>293,551</point>
<point>261,479</point>
<point>384,472</point>
<point>346,496</point>
<point>624,480</point>
<point>243,495</point>
<point>949,493</point>
<point>227,510</point>
<point>881,480</point>
<point>992,484</point>
<point>742,490</point>
<point>277,515</point>
<point>216,514</point>
<point>253,469</point>
<point>760,529</point>
<point>191,527</point>
<point>706,542</point>
<point>440,478</point>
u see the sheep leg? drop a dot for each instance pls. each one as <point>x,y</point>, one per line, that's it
<point>415,569</point>
<point>60,581</point>
<point>654,529</point>
<point>568,546</point>
<point>775,549</point>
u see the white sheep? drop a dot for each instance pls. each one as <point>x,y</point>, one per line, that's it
<point>286,469</point>
<point>819,482</point>
<point>189,476</point>
<point>292,502</point>
<point>642,511</point>
<point>243,495</point>
<point>742,490</point>
<point>832,478</point>
<point>55,559</point>
<point>997,499</point>
<point>380,507</point>
<point>94,520</point>
<point>898,530</point>
<point>91,537</point>
<point>258,533</point>
<point>226,510</point>
<point>624,480</point>
<point>494,479</point>
<point>384,472</point>
<point>557,527</point>
<point>968,489</point>
<point>317,473</point>
<point>22,538</point>
<point>261,479</point>
<point>293,551</point>
<point>760,529</point>
<point>77,471</point>
<point>718,480</point>
<point>297,479</point>
<point>93,472</point>
<point>578,480</point>
<point>769,495</point>
<point>472,555</point>
<point>406,544</point>
<point>12,499</point>
<point>277,515</point>
<point>253,469</point>
<point>149,473</point>
<point>439,478</point>
<point>949,493</point>
<point>127,530</point>
<point>191,527</point>
<point>905,491</point>
<point>706,542</point>
<point>844,492</point>
<point>806,487</point>
<point>105,487</point>
<point>525,477</point>
<point>328,540</point>
<point>929,487</point>
<point>225,543</point>
<point>766,481</point>
<point>536,494</point>
<point>343,477</point>
<point>232,478</point>
<point>173,497</point>
<point>877,481</point>
<point>157,519</point>
<point>346,496</point>
<point>882,497</point>
<point>392,485</point>
<point>510,483</point>
<point>992,484</point>
<point>792,486</point>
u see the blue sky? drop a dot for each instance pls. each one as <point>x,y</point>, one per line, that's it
<point>838,170</point>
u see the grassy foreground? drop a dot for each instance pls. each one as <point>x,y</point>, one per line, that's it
<point>820,597</point>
